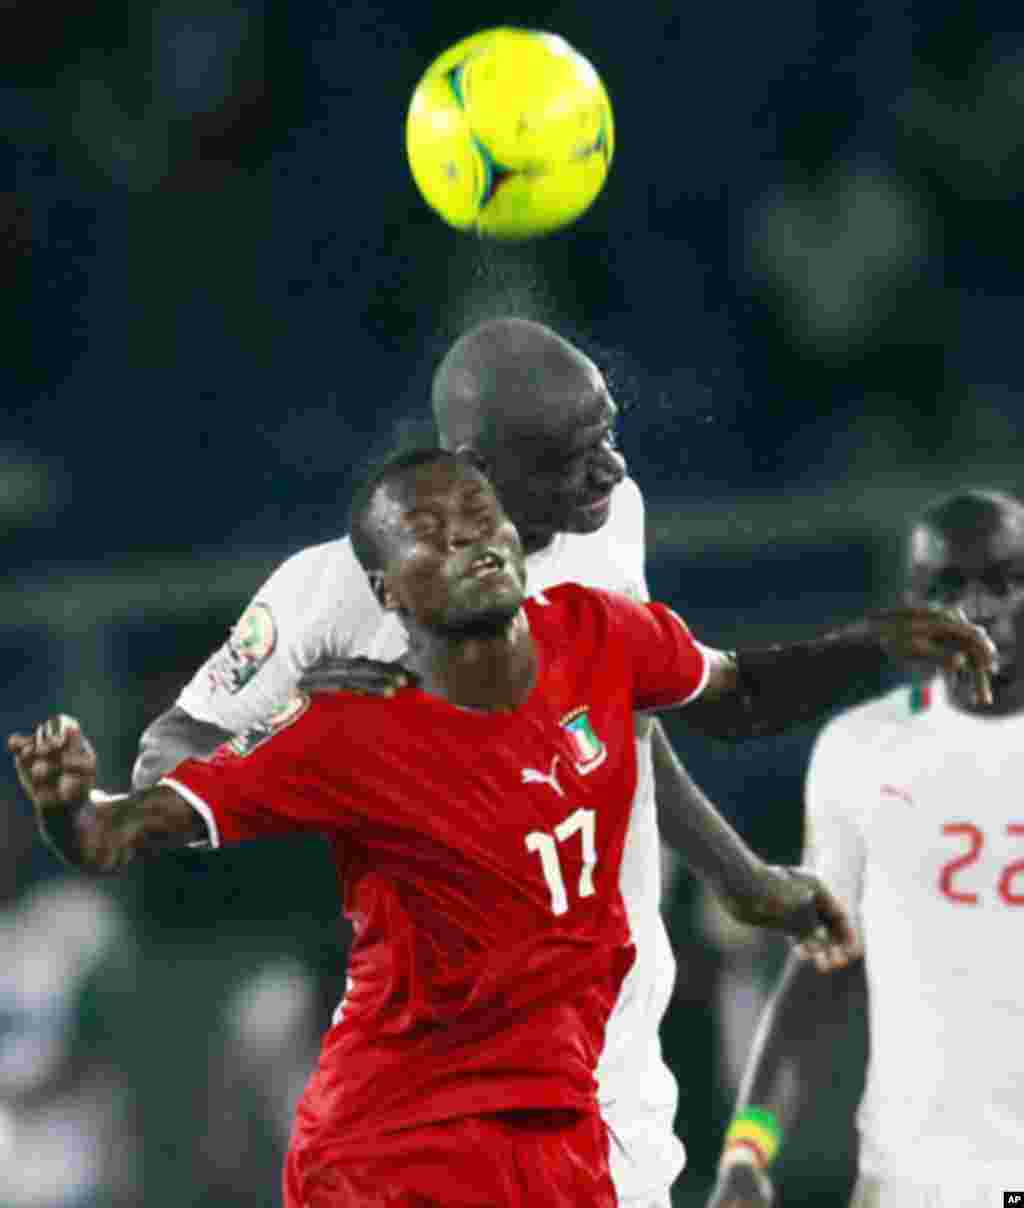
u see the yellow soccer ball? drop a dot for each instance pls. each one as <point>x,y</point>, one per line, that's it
<point>509,134</point>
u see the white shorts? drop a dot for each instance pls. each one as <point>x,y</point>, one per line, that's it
<point>644,1154</point>
<point>872,1192</point>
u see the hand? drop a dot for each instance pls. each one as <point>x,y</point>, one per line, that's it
<point>56,765</point>
<point>798,903</point>
<point>938,636</point>
<point>742,1185</point>
<point>365,676</point>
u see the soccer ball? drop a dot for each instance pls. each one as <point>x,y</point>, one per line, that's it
<point>509,134</point>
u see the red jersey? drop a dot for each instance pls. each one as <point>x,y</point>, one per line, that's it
<point>478,857</point>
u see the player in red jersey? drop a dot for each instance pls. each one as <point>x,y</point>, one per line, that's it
<point>477,819</point>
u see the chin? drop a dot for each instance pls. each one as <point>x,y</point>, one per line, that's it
<point>589,519</point>
<point>485,621</point>
<point>581,522</point>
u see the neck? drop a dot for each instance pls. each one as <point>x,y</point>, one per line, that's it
<point>492,673</point>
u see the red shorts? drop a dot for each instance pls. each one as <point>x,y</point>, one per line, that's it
<point>528,1159</point>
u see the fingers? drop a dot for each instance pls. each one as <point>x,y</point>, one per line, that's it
<point>822,952</point>
<point>943,636</point>
<point>55,762</point>
<point>980,662</point>
<point>55,733</point>
<point>365,677</point>
<point>982,685</point>
<point>832,943</point>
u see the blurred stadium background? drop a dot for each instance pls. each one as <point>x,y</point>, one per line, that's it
<point>220,289</point>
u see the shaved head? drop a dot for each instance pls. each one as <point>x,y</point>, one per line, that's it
<point>536,413</point>
<point>969,520</point>
<point>504,373</point>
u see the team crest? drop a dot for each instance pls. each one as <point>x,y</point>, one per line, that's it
<point>589,752</point>
<point>251,643</point>
<point>257,734</point>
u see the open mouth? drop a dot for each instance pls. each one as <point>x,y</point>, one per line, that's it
<point>596,506</point>
<point>486,565</point>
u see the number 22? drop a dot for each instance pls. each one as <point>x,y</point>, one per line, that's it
<point>547,847</point>
<point>976,840</point>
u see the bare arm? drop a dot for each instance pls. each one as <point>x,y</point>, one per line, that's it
<point>766,690</point>
<point>756,893</point>
<point>56,767</point>
<point>791,1067</point>
<point>174,736</point>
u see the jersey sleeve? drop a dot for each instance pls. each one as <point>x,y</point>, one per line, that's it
<point>833,838</point>
<point>629,531</point>
<point>308,608</point>
<point>670,667</point>
<point>273,783</point>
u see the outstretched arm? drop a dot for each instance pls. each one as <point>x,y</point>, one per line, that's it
<point>754,892</point>
<point>56,767</point>
<point>791,1067</point>
<point>769,689</point>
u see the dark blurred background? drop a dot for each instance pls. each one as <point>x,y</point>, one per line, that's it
<point>220,289</point>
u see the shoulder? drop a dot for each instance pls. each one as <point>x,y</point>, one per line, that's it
<point>625,524</point>
<point>321,589</point>
<point>894,712</point>
<point>331,560</point>
<point>869,727</point>
<point>628,499</point>
<point>573,607</point>
<point>576,599</point>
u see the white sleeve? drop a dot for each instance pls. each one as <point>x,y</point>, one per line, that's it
<point>627,523</point>
<point>833,835</point>
<point>317,603</point>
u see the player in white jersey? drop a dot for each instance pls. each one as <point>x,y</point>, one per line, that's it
<point>914,819</point>
<point>537,415</point>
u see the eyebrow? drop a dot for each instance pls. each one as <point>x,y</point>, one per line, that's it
<point>471,493</point>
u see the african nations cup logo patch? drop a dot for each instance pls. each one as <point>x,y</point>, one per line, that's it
<point>589,752</point>
<point>256,735</point>
<point>251,643</point>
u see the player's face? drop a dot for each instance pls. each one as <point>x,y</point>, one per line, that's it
<point>454,560</point>
<point>554,459</point>
<point>982,572</point>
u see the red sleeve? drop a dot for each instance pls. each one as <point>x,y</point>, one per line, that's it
<point>670,667</point>
<point>272,782</point>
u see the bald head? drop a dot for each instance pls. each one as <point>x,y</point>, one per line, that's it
<point>506,374</point>
<point>968,523</point>
<point>536,414</point>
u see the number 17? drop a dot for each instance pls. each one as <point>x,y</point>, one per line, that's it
<point>546,845</point>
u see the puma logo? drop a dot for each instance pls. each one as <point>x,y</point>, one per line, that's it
<point>533,776</point>
<point>891,790</point>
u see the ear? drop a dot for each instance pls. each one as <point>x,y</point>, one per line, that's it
<point>472,455</point>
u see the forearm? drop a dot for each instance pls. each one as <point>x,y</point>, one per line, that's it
<point>697,832</point>
<point>173,737</point>
<point>792,1059</point>
<point>102,836</point>
<point>766,690</point>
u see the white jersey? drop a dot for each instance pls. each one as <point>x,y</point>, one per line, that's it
<point>916,820</point>
<point>318,604</point>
